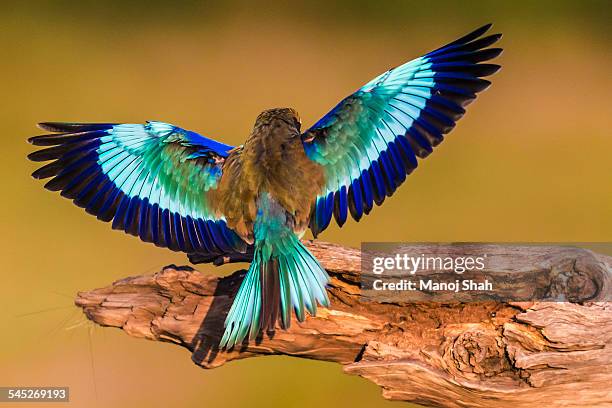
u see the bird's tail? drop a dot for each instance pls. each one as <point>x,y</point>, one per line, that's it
<point>283,274</point>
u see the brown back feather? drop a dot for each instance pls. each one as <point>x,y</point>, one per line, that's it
<point>272,160</point>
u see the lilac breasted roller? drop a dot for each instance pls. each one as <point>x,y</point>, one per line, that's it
<point>183,191</point>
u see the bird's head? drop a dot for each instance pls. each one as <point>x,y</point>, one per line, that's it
<point>274,116</point>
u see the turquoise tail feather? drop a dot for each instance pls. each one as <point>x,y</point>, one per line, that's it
<point>283,274</point>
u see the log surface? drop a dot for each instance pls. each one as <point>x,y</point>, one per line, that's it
<point>516,354</point>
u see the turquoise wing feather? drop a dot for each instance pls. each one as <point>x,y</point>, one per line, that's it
<point>371,140</point>
<point>152,180</point>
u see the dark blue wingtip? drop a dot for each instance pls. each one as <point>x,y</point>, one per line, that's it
<point>472,35</point>
<point>468,38</point>
<point>481,30</point>
<point>71,127</point>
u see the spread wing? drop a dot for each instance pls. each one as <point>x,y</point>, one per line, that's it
<point>371,140</point>
<point>152,180</point>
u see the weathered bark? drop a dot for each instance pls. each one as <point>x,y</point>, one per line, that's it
<point>449,355</point>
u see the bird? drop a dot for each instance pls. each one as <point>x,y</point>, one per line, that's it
<point>181,190</point>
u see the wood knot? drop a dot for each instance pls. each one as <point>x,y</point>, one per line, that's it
<point>574,281</point>
<point>478,352</point>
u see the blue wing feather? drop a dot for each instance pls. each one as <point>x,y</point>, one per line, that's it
<point>356,201</point>
<point>341,206</point>
<point>134,175</point>
<point>368,197</point>
<point>370,141</point>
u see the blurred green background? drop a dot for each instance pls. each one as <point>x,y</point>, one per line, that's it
<point>531,161</point>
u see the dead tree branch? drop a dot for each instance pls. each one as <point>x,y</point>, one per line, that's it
<point>447,355</point>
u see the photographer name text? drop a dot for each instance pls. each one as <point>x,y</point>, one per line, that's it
<point>467,285</point>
